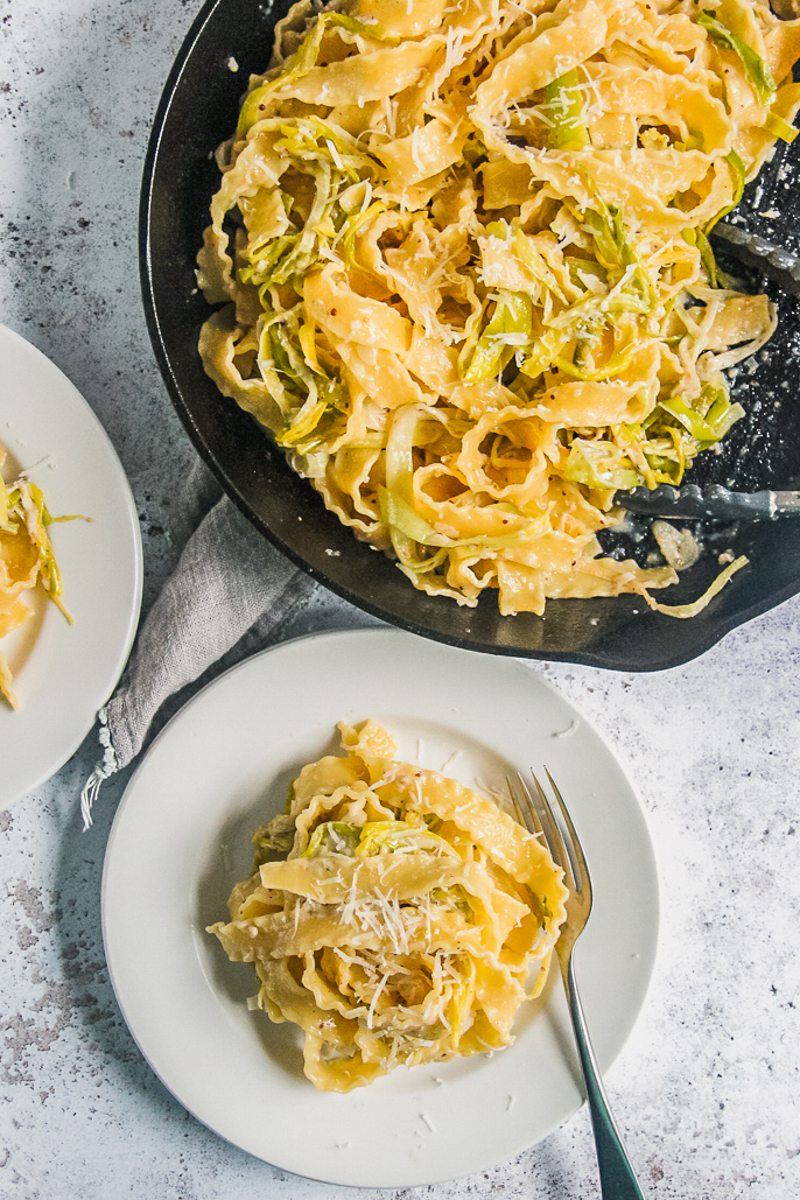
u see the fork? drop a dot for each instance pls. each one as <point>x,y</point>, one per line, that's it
<point>535,812</point>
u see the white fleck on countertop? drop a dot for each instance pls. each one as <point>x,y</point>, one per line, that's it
<point>706,1089</point>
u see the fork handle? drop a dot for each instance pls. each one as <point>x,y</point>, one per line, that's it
<point>617,1178</point>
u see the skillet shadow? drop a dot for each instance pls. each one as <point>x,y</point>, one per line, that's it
<point>551,1007</point>
<point>229,860</point>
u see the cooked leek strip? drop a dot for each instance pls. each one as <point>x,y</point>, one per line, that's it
<point>692,609</point>
<point>508,331</point>
<point>565,107</point>
<point>601,466</point>
<point>303,59</point>
<point>711,427</point>
<point>779,128</point>
<point>756,69</point>
<point>738,174</point>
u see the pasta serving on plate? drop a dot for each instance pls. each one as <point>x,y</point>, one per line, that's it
<point>394,915</point>
<point>27,561</point>
<point>463,254</point>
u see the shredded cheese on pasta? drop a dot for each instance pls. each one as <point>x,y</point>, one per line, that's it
<point>394,915</point>
<point>467,284</point>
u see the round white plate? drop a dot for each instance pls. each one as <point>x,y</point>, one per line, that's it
<point>181,839</point>
<point>64,673</point>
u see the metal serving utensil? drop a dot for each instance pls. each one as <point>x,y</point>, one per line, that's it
<point>712,503</point>
<point>536,813</point>
<point>756,252</point>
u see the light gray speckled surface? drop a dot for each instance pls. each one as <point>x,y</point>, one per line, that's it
<point>706,1084</point>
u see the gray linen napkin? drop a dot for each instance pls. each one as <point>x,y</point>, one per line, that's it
<point>228,578</point>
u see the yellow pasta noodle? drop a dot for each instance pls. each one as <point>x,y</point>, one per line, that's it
<point>467,284</point>
<point>27,561</point>
<point>394,915</point>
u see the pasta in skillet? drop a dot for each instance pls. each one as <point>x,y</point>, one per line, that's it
<point>394,915</point>
<point>467,280</point>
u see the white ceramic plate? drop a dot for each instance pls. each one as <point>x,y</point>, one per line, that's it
<point>64,673</point>
<point>181,840</point>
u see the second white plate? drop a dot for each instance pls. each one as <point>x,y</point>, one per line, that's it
<point>181,839</point>
<point>64,673</point>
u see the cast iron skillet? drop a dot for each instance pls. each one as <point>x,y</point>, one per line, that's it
<point>197,111</point>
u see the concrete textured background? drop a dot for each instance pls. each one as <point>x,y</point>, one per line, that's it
<point>705,1087</point>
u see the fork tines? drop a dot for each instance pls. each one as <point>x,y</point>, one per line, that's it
<point>536,812</point>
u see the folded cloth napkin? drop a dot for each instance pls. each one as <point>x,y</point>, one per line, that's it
<point>228,580</point>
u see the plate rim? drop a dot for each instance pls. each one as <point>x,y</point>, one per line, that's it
<point>62,757</point>
<point>390,633</point>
